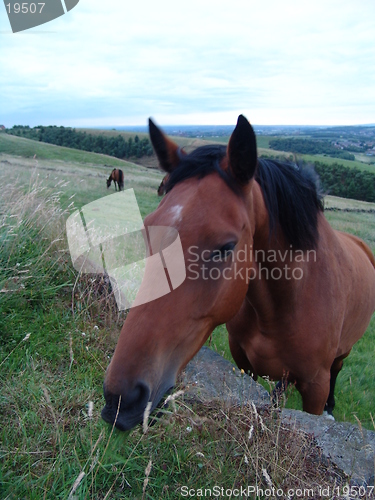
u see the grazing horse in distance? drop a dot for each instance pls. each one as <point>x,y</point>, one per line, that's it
<point>162,187</point>
<point>261,257</point>
<point>117,176</point>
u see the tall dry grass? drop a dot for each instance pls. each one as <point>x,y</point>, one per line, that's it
<point>32,241</point>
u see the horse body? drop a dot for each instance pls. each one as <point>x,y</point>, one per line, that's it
<point>303,329</point>
<point>117,176</point>
<point>299,321</point>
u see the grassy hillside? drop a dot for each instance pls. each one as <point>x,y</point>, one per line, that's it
<point>362,162</point>
<point>58,332</point>
<point>27,148</point>
<point>321,158</point>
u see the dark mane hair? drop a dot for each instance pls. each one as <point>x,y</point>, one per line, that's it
<point>290,191</point>
<point>293,199</point>
<point>199,163</point>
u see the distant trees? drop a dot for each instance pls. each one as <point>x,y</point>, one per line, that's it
<point>346,182</point>
<point>65,136</point>
<point>309,147</point>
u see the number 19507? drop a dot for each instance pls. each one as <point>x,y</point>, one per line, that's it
<point>26,8</point>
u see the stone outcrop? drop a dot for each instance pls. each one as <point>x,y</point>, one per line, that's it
<point>350,448</point>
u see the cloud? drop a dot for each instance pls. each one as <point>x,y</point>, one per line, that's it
<point>280,61</point>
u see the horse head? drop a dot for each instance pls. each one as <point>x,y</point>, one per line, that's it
<point>209,194</point>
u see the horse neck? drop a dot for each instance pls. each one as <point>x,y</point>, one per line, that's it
<point>274,287</point>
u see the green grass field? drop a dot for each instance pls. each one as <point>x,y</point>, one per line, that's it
<point>58,333</point>
<point>362,162</point>
<point>328,160</point>
<point>27,148</point>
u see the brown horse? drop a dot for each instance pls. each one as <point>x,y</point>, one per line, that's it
<point>117,176</point>
<point>261,257</point>
<point>162,186</point>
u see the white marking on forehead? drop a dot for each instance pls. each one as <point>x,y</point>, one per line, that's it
<point>176,212</point>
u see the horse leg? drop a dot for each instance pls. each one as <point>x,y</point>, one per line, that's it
<point>335,370</point>
<point>240,358</point>
<point>315,393</point>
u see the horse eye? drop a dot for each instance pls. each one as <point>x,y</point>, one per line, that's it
<point>223,252</point>
<point>226,249</point>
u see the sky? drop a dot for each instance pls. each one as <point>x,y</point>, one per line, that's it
<point>117,62</point>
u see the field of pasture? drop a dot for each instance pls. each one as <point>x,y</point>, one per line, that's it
<point>362,162</point>
<point>58,332</point>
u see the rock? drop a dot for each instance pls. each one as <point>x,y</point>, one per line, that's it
<point>350,448</point>
<point>210,376</point>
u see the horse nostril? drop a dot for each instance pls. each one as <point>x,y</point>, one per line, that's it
<point>136,398</point>
<point>131,402</point>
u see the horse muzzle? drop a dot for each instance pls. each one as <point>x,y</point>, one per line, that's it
<point>128,410</point>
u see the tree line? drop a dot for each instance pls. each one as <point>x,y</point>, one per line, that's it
<point>346,182</point>
<point>115,146</point>
<point>309,147</point>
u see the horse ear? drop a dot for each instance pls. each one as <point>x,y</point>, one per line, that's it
<point>242,151</point>
<point>166,150</point>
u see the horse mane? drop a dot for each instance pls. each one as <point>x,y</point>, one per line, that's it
<point>291,192</point>
<point>293,199</point>
<point>202,161</point>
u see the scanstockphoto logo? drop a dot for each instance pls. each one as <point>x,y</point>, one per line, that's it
<point>25,15</point>
<point>108,236</point>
